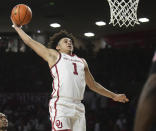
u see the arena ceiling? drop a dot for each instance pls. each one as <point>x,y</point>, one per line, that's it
<point>76,16</point>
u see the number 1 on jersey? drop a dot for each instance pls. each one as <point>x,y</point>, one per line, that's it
<point>75,69</point>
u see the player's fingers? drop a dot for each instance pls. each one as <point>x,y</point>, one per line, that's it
<point>14,25</point>
<point>120,100</point>
<point>12,20</point>
<point>127,99</point>
<point>123,101</point>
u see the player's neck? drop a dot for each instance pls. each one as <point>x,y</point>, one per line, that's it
<point>68,52</point>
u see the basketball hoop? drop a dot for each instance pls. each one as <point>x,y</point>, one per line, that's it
<point>123,12</point>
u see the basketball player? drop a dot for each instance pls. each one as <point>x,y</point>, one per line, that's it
<point>70,74</point>
<point>146,110</point>
<point>3,122</point>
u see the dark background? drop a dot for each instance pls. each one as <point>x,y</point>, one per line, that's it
<point>119,59</point>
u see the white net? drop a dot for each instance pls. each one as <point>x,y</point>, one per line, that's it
<point>123,13</point>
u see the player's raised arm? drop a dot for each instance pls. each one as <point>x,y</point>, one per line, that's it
<point>40,49</point>
<point>96,87</point>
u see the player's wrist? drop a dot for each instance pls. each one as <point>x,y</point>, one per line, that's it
<point>16,27</point>
<point>113,96</point>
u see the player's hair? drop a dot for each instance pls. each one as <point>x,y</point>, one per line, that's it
<point>53,40</point>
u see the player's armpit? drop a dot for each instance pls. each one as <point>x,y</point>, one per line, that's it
<point>53,58</point>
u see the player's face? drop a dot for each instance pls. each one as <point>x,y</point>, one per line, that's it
<point>3,121</point>
<point>65,45</point>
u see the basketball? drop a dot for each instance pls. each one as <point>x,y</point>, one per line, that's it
<point>21,14</point>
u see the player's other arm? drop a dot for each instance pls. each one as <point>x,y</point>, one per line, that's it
<point>145,114</point>
<point>98,88</point>
<point>40,49</point>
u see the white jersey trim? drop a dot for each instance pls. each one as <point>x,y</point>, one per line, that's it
<point>55,103</point>
<point>55,65</point>
<point>57,60</point>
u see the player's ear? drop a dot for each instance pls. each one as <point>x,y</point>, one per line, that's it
<point>58,47</point>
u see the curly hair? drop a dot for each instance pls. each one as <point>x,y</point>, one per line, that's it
<point>53,40</point>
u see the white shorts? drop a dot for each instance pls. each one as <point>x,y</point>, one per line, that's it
<point>67,114</point>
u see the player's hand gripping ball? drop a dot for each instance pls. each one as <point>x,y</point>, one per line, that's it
<point>21,14</point>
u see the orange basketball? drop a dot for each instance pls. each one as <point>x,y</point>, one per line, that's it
<point>21,14</point>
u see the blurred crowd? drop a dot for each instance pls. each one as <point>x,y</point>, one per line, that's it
<point>25,111</point>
